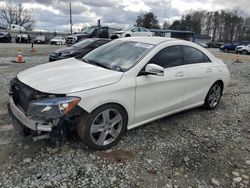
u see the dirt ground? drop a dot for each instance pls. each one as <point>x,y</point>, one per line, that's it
<point>195,148</point>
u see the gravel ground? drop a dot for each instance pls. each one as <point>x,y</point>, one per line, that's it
<point>195,148</point>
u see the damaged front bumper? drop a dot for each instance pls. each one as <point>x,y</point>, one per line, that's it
<point>34,125</point>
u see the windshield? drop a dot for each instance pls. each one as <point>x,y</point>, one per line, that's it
<point>118,55</point>
<point>88,30</point>
<point>83,43</point>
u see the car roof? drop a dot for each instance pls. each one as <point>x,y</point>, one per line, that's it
<point>149,40</point>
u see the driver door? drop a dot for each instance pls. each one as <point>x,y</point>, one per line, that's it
<point>158,95</point>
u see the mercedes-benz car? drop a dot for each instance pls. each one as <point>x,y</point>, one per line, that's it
<point>119,86</point>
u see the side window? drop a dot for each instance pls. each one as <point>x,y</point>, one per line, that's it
<point>193,56</point>
<point>168,57</point>
<point>135,29</point>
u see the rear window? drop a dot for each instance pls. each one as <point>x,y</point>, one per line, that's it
<point>193,56</point>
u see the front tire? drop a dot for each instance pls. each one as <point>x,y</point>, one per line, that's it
<point>213,97</point>
<point>103,128</point>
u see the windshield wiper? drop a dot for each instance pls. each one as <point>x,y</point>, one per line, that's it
<point>101,65</point>
<point>117,68</point>
<point>96,63</point>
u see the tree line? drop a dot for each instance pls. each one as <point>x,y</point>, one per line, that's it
<point>14,13</point>
<point>223,25</point>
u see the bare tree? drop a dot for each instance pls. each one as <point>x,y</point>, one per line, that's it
<point>14,13</point>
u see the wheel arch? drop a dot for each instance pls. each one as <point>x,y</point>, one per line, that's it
<point>220,82</point>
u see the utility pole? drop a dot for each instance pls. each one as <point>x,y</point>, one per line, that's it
<point>70,18</point>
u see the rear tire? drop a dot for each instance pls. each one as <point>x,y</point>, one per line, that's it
<point>213,96</point>
<point>103,128</point>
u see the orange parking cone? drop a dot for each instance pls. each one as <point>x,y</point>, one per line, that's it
<point>20,57</point>
<point>237,58</point>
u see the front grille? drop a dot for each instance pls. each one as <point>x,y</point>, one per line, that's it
<point>70,40</point>
<point>23,94</point>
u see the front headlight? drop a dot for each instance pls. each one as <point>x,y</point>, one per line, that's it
<point>52,108</point>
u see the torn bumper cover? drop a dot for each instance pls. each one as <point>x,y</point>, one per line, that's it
<point>36,113</point>
<point>34,125</point>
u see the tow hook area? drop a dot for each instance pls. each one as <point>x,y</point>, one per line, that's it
<point>58,135</point>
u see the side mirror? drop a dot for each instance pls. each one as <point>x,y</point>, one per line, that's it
<point>154,69</point>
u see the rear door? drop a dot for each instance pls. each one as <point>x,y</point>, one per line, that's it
<point>200,73</point>
<point>158,95</point>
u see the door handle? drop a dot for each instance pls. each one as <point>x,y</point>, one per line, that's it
<point>179,74</point>
<point>208,70</point>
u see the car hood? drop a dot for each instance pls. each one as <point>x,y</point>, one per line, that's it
<point>68,76</point>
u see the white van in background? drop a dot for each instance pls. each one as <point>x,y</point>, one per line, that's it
<point>15,27</point>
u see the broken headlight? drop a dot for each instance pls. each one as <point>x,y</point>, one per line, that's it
<point>52,108</point>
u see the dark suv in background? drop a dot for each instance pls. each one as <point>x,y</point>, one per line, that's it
<point>89,32</point>
<point>232,46</point>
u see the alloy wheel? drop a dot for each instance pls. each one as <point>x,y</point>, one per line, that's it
<point>214,96</point>
<point>106,127</point>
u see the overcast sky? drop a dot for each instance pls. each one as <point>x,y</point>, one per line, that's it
<point>54,14</point>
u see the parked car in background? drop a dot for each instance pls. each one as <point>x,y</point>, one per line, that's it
<point>232,46</point>
<point>114,88</point>
<point>23,38</point>
<point>78,50</point>
<point>132,32</point>
<point>14,27</point>
<point>213,44</point>
<point>5,37</point>
<point>41,40</point>
<point>58,40</point>
<point>243,49</point>
<point>89,32</point>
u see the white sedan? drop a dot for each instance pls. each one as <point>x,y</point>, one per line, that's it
<point>244,49</point>
<point>132,32</point>
<point>58,40</point>
<point>116,87</point>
